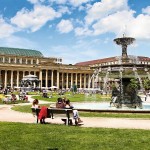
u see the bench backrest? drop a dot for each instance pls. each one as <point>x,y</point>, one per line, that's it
<point>52,111</point>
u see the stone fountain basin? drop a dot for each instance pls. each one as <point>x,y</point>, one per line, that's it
<point>105,107</point>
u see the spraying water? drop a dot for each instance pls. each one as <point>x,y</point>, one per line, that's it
<point>121,85</point>
<point>106,79</point>
<point>138,77</point>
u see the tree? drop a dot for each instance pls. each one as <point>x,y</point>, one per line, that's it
<point>146,83</point>
<point>134,84</point>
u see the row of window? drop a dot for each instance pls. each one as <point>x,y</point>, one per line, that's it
<point>17,60</point>
<point>111,63</point>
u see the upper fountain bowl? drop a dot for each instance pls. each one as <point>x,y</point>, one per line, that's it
<point>124,40</point>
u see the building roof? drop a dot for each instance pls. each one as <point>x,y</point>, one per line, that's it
<point>92,62</point>
<point>105,60</point>
<point>20,52</point>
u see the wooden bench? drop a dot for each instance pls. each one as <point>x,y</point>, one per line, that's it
<point>66,114</point>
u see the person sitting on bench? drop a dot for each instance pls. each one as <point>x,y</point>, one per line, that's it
<point>75,112</point>
<point>42,114</point>
<point>60,103</point>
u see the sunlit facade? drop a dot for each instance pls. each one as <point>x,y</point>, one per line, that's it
<point>16,63</point>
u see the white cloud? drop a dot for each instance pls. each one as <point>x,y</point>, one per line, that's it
<point>146,10</point>
<point>58,1</point>
<point>65,26</point>
<point>78,2</point>
<point>5,29</point>
<point>35,1</point>
<point>140,27</point>
<point>79,31</point>
<point>137,27</point>
<point>34,19</point>
<point>63,10</point>
<point>104,8</point>
<point>74,3</point>
<point>113,23</point>
<point>112,16</point>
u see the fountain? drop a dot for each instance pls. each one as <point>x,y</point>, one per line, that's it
<point>126,74</point>
<point>124,42</point>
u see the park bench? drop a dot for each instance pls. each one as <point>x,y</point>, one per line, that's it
<point>65,114</point>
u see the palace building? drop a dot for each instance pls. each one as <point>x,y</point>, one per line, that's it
<point>16,63</point>
<point>112,70</point>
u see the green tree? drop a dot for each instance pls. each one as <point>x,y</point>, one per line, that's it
<point>134,85</point>
<point>146,83</point>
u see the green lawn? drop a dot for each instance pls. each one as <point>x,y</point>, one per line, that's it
<point>19,136</point>
<point>16,136</point>
<point>27,108</point>
<point>75,98</point>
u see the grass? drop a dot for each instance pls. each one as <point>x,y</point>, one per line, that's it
<point>27,109</point>
<point>75,98</point>
<point>16,136</point>
<point>10,102</point>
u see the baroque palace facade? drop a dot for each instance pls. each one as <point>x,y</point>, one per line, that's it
<point>16,63</point>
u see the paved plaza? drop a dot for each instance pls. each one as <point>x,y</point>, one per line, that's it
<point>9,115</point>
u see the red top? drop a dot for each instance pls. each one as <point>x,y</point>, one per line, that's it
<point>43,112</point>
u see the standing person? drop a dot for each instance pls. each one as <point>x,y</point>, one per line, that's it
<point>75,112</point>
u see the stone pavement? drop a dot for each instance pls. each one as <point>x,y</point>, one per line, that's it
<point>9,115</point>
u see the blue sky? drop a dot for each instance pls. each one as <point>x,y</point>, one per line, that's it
<point>75,30</point>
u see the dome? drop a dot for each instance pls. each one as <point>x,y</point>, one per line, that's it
<point>20,52</point>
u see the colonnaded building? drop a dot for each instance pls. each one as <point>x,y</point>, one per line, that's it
<point>16,63</point>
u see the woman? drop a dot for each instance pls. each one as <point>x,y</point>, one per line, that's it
<point>60,103</point>
<point>41,113</point>
<point>75,112</point>
<point>35,104</point>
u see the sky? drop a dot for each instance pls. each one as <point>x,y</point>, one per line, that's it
<point>75,30</point>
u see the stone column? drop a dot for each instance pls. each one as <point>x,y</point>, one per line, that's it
<point>5,83</point>
<point>89,82</point>
<point>58,79</point>
<point>15,60</point>
<point>80,80</point>
<point>46,79</point>
<point>84,80</point>
<point>23,73</point>
<point>12,74</point>
<point>71,80</point>
<point>52,80</point>
<point>9,60</point>
<point>93,83</point>
<point>67,80</point>
<point>3,59</point>
<point>17,78</point>
<point>40,77</point>
<point>31,61</point>
<point>76,79</point>
<point>62,80</point>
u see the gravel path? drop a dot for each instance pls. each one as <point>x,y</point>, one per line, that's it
<point>123,123</point>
